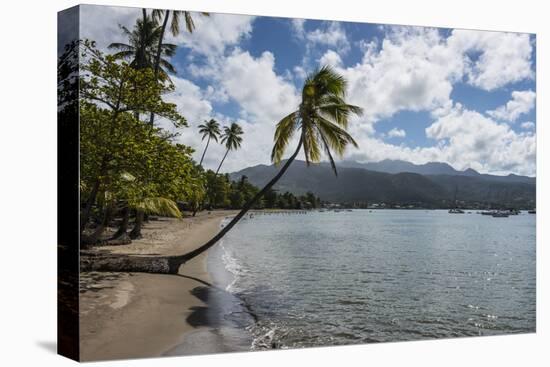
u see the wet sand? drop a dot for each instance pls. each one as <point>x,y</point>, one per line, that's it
<point>134,315</point>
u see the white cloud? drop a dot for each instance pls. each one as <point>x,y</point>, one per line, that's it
<point>528,125</point>
<point>263,97</point>
<point>330,58</point>
<point>254,85</point>
<point>493,59</point>
<point>413,70</point>
<point>215,33</point>
<point>473,140</point>
<point>332,35</point>
<point>298,27</point>
<point>521,102</point>
<point>397,133</point>
<point>464,139</point>
<point>101,23</point>
<point>300,72</point>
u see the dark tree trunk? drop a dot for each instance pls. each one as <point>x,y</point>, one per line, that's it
<point>171,264</point>
<point>95,237</point>
<point>223,159</point>
<point>157,56</point>
<point>123,228</point>
<point>136,231</point>
<point>88,207</point>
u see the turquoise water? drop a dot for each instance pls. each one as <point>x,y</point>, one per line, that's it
<point>328,278</point>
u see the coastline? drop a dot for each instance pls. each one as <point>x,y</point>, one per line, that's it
<point>136,315</point>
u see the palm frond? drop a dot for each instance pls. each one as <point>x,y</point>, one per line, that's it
<point>312,150</point>
<point>189,24</point>
<point>336,137</point>
<point>166,65</point>
<point>159,206</point>
<point>175,23</point>
<point>121,46</point>
<point>157,14</point>
<point>329,154</point>
<point>283,133</point>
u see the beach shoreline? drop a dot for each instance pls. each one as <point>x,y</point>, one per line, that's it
<point>136,315</point>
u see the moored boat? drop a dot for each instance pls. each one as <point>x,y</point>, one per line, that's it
<point>500,214</point>
<point>456,211</point>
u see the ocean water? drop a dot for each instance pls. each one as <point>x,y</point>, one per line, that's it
<point>334,278</point>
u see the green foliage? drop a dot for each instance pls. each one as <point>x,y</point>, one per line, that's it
<point>141,49</point>
<point>222,193</point>
<point>121,88</point>
<point>136,163</point>
<point>161,206</point>
<point>231,136</point>
<point>210,129</point>
<point>322,117</point>
<point>132,163</point>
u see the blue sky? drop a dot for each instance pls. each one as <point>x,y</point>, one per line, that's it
<point>462,97</point>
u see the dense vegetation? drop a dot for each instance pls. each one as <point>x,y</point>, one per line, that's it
<point>130,168</point>
<point>223,193</point>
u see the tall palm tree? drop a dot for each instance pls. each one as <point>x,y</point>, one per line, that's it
<point>232,139</point>
<point>211,130</point>
<point>321,120</point>
<point>175,29</point>
<point>142,46</point>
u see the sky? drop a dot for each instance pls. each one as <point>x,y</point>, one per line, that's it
<point>463,97</point>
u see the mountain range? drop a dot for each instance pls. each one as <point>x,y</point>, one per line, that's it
<point>432,184</point>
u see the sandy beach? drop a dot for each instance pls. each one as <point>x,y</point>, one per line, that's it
<point>134,315</point>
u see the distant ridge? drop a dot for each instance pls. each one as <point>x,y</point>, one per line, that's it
<point>433,184</point>
<point>430,168</point>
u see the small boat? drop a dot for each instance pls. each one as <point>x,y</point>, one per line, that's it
<point>487,212</point>
<point>532,211</point>
<point>500,214</point>
<point>456,211</point>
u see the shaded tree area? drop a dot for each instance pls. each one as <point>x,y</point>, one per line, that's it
<point>128,167</point>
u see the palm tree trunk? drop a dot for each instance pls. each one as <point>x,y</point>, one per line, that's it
<point>93,195</point>
<point>243,211</point>
<point>136,231</point>
<point>171,264</point>
<point>203,153</point>
<point>96,235</point>
<point>157,56</point>
<point>223,159</point>
<point>123,228</point>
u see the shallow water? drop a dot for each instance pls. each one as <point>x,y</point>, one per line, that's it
<point>383,275</point>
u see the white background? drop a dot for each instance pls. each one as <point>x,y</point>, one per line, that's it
<point>28,181</point>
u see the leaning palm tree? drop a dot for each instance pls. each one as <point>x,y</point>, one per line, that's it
<point>321,121</point>
<point>141,49</point>
<point>211,130</point>
<point>175,29</point>
<point>232,139</point>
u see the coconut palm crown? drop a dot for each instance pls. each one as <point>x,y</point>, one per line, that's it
<point>232,140</point>
<point>211,130</point>
<point>322,119</point>
<point>232,136</point>
<point>142,47</point>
